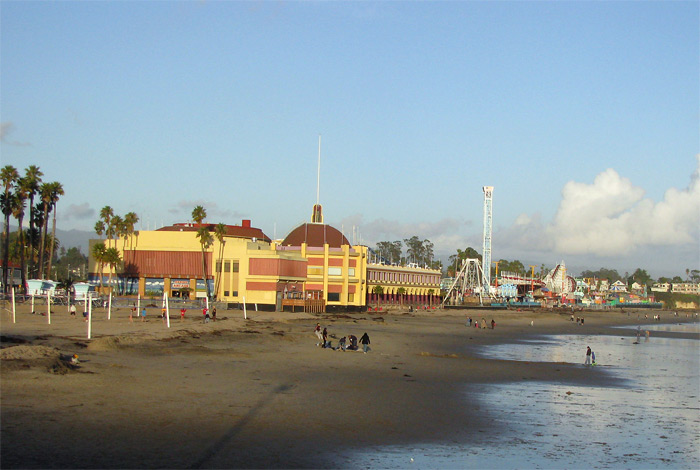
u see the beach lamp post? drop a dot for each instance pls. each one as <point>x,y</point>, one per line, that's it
<point>109,307</point>
<point>89,317</point>
<point>166,305</point>
<point>48,306</point>
<point>13,306</point>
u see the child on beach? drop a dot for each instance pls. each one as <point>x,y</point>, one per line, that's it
<point>317,332</point>
<point>182,313</point>
<point>588,356</point>
<point>143,314</point>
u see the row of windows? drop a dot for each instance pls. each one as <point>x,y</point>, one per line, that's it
<point>332,271</point>
<point>228,267</point>
<point>403,277</point>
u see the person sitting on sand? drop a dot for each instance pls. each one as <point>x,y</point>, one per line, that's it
<point>341,344</point>
<point>353,343</point>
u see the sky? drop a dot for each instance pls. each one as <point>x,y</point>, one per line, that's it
<point>583,116</point>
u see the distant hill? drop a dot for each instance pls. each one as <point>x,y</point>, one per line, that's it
<point>75,238</point>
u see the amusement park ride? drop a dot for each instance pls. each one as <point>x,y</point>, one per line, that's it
<point>474,278</point>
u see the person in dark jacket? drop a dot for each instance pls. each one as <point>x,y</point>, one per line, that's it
<point>365,342</point>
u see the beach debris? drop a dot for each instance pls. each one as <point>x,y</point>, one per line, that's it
<point>569,393</point>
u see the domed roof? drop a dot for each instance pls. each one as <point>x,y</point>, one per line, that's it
<point>316,235</point>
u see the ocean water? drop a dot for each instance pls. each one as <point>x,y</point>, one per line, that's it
<point>651,421</point>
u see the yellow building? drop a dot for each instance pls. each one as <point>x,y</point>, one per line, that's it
<point>313,268</point>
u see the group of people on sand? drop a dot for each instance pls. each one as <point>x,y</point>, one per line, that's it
<point>345,343</point>
<point>578,320</point>
<point>482,325</point>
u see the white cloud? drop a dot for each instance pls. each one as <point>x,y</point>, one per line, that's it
<point>445,234</point>
<point>610,217</point>
<point>6,129</point>
<point>77,212</point>
<point>214,212</point>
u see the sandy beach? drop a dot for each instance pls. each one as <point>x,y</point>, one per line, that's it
<point>259,393</point>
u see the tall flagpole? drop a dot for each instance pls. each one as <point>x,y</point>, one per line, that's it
<point>318,174</point>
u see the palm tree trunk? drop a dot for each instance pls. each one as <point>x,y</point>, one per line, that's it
<point>43,240</point>
<point>31,234</point>
<point>22,262</point>
<point>53,239</point>
<point>204,271</point>
<point>6,251</point>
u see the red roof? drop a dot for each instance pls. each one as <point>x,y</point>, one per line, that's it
<point>316,235</point>
<point>231,230</point>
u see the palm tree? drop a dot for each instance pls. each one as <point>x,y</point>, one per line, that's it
<point>98,252</point>
<point>56,191</point>
<point>199,213</point>
<point>106,214</point>
<point>206,240</point>
<point>8,176</point>
<point>219,233</point>
<point>32,177</point>
<point>113,259</point>
<point>99,228</point>
<point>130,220</point>
<point>18,212</point>
<point>45,192</point>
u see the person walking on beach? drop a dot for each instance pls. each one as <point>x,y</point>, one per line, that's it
<point>493,324</point>
<point>143,314</point>
<point>182,313</point>
<point>588,356</point>
<point>317,332</point>
<point>483,323</point>
<point>325,337</point>
<point>365,342</point>
<point>72,309</point>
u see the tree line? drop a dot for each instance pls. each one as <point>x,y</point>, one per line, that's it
<point>114,227</point>
<point>33,247</point>
<point>516,267</point>
<point>418,252</point>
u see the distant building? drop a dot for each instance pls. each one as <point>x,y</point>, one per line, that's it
<point>618,286</point>
<point>661,287</point>
<point>685,288</point>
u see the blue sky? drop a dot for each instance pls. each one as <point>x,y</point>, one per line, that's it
<point>582,115</point>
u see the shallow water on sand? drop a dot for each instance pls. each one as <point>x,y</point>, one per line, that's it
<point>653,421</point>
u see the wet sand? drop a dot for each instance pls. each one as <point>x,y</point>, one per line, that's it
<point>259,393</point>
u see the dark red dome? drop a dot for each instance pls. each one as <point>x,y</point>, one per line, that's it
<point>316,235</point>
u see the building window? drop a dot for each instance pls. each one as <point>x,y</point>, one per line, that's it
<point>351,272</point>
<point>334,297</point>
<point>315,270</point>
<point>225,293</point>
<point>335,271</point>
<point>235,266</point>
<point>235,293</point>
<point>227,266</point>
<point>351,297</point>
